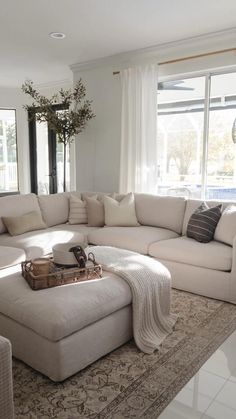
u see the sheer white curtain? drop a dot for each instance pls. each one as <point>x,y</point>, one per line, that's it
<point>138,164</point>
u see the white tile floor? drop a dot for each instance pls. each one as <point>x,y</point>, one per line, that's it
<point>211,393</point>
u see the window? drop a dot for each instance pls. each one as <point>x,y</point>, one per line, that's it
<point>8,151</point>
<point>197,159</point>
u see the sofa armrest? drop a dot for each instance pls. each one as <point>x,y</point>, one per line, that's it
<point>233,271</point>
<point>6,387</point>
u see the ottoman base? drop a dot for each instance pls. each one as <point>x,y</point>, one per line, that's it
<point>61,359</point>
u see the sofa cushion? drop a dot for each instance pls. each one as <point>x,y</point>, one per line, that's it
<point>160,211</point>
<point>58,312</point>
<point>55,208</point>
<point>16,205</point>
<point>10,256</point>
<point>78,211</point>
<point>120,213</point>
<point>40,242</point>
<point>193,204</point>
<point>24,223</point>
<point>137,239</point>
<point>95,211</point>
<point>212,255</point>
<point>226,227</point>
<point>203,222</point>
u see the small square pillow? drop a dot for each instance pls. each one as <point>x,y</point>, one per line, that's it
<point>95,211</point>
<point>226,228</point>
<point>24,223</point>
<point>120,213</point>
<point>78,212</point>
<point>203,222</point>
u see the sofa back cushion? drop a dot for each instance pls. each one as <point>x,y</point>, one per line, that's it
<point>226,228</point>
<point>16,205</point>
<point>55,207</point>
<point>193,204</point>
<point>160,211</point>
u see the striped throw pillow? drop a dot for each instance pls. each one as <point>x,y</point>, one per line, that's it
<point>78,211</point>
<point>203,222</point>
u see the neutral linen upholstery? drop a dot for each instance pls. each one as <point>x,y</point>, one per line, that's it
<point>226,227</point>
<point>58,312</point>
<point>16,205</point>
<point>78,211</point>
<point>137,239</point>
<point>120,213</point>
<point>203,222</point>
<point>193,204</point>
<point>95,212</point>
<point>6,386</point>
<point>54,208</point>
<point>40,242</point>
<point>10,256</point>
<point>160,211</point>
<point>59,360</point>
<point>212,255</point>
<point>23,223</point>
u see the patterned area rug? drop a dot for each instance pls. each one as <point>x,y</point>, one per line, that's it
<point>128,383</point>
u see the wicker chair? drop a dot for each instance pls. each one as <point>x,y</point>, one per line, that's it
<point>6,388</point>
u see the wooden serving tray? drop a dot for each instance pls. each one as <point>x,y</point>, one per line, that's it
<point>59,276</point>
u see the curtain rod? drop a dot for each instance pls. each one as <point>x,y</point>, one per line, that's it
<point>191,57</point>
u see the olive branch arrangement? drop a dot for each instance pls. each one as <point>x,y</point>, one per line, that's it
<point>71,118</point>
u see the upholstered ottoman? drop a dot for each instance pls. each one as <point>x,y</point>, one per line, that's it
<point>59,331</point>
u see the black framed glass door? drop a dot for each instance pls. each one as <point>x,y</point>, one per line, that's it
<point>46,159</point>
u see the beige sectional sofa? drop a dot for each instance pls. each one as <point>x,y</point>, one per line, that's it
<point>61,330</point>
<point>207,269</point>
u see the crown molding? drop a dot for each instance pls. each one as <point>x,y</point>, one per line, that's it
<point>204,41</point>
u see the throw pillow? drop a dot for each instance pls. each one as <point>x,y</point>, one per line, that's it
<point>120,213</point>
<point>226,228</point>
<point>24,223</point>
<point>78,212</point>
<point>203,222</point>
<point>95,212</point>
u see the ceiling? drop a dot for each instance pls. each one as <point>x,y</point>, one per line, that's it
<point>95,29</point>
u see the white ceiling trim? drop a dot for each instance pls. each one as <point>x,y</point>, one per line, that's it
<point>201,43</point>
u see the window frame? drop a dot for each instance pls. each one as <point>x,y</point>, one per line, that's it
<point>52,141</point>
<point>207,74</point>
<point>17,191</point>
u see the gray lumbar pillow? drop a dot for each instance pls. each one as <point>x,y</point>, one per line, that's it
<point>203,222</point>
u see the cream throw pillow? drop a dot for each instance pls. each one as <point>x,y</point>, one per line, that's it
<point>226,227</point>
<point>24,223</point>
<point>120,213</point>
<point>78,212</point>
<point>95,211</point>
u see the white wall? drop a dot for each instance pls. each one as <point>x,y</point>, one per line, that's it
<point>98,148</point>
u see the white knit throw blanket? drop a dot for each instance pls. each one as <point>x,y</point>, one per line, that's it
<point>150,285</point>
